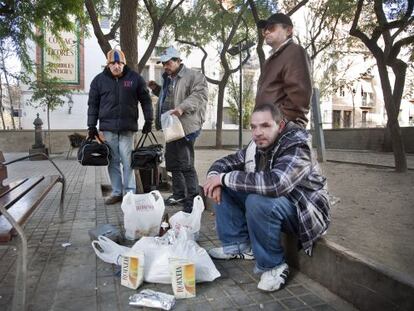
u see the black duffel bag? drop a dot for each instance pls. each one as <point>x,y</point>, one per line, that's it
<point>147,157</point>
<point>94,153</point>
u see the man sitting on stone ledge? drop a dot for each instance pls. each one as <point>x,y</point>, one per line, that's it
<point>271,186</point>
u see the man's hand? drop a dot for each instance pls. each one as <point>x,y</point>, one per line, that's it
<point>147,127</point>
<point>92,132</point>
<point>152,85</point>
<point>216,195</point>
<point>177,111</point>
<point>210,185</point>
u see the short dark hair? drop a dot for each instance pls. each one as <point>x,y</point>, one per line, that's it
<point>273,109</point>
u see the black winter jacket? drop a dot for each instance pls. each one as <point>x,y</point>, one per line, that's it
<point>114,101</point>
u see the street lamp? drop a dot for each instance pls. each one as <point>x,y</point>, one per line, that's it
<point>353,107</point>
<point>70,104</point>
<point>238,48</point>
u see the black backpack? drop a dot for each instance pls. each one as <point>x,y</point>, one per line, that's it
<point>94,153</point>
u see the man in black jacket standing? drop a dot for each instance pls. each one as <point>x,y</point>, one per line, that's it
<point>113,100</point>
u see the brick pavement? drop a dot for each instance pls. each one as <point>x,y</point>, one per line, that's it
<point>73,278</point>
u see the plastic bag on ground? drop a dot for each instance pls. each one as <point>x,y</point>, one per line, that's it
<point>142,214</point>
<point>108,250</point>
<point>157,252</point>
<point>171,127</point>
<point>192,222</point>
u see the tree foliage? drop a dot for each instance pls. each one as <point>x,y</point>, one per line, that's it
<point>47,93</point>
<point>150,16</point>
<point>20,21</point>
<point>248,99</point>
<point>212,23</point>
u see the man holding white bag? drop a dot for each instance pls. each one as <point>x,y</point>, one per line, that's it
<point>184,94</point>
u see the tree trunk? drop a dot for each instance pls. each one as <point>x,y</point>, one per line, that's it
<point>48,129</point>
<point>8,89</point>
<point>260,39</point>
<point>392,112</point>
<point>397,146</point>
<point>129,32</point>
<point>150,48</point>
<point>93,16</point>
<point>1,105</point>
<point>220,103</point>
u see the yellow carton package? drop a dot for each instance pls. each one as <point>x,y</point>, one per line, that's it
<point>183,278</point>
<point>132,270</point>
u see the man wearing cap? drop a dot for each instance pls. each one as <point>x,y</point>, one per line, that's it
<point>285,79</point>
<point>113,101</point>
<point>183,93</point>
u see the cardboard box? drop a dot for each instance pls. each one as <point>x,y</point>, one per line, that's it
<point>132,270</point>
<point>183,278</point>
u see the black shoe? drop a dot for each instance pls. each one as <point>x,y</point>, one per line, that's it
<point>173,200</point>
<point>113,200</point>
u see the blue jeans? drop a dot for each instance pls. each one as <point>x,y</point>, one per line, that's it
<point>121,145</point>
<point>245,220</point>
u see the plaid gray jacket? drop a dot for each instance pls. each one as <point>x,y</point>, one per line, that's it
<point>291,171</point>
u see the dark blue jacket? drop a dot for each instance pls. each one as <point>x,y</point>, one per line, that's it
<point>114,101</point>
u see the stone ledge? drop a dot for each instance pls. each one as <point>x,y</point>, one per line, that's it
<point>363,283</point>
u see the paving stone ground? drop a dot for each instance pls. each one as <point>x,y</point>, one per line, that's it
<point>73,278</point>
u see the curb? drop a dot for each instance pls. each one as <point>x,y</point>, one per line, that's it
<point>357,279</point>
<point>380,166</point>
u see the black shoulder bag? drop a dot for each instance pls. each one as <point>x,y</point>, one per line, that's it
<point>147,157</point>
<point>94,153</point>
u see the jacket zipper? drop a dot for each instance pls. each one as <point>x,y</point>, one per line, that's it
<point>118,102</point>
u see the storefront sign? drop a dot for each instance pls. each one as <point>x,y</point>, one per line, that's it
<point>61,58</point>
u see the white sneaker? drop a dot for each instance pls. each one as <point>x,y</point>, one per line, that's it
<point>218,253</point>
<point>273,280</point>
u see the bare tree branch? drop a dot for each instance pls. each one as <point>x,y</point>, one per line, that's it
<point>395,50</point>
<point>402,28</point>
<point>103,42</point>
<point>356,32</point>
<point>297,7</point>
<point>158,23</point>
<point>260,38</point>
<point>203,60</point>
<point>111,34</point>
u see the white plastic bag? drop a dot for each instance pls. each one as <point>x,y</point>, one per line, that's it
<point>156,269</point>
<point>157,253</point>
<point>171,127</point>
<point>192,222</point>
<point>108,250</point>
<point>188,249</point>
<point>142,214</point>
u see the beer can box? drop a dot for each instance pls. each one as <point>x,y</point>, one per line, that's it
<point>183,278</point>
<point>132,270</point>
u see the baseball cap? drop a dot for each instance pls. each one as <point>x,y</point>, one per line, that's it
<point>277,18</point>
<point>168,53</point>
